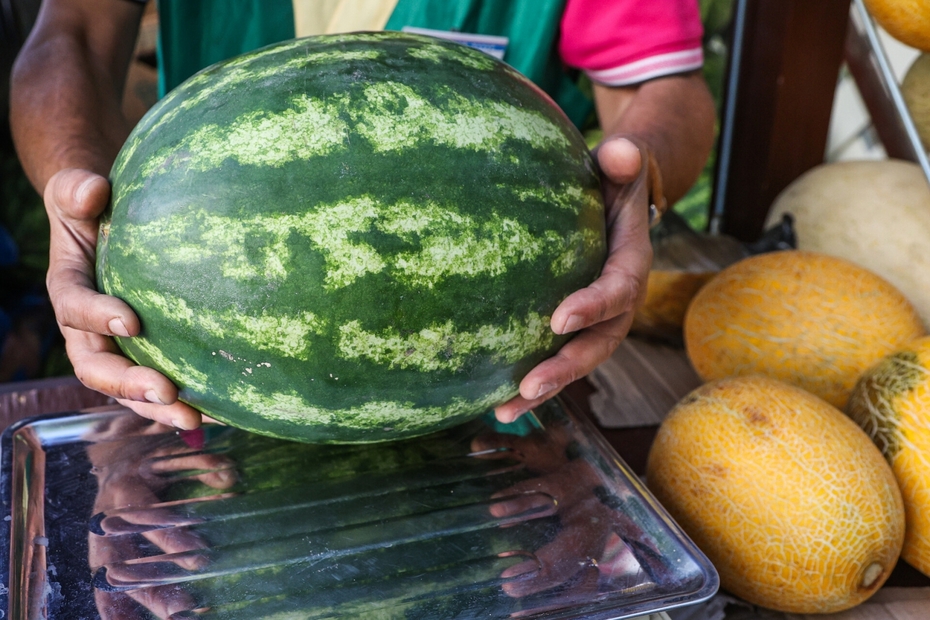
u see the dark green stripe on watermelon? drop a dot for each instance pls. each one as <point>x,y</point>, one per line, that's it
<point>350,238</point>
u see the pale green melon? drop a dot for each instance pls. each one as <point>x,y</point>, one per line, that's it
<point>873,213</point>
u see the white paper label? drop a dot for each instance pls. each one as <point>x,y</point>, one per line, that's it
<point>489,44</point>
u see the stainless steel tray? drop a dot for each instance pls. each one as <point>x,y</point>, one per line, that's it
<point>112,516</point>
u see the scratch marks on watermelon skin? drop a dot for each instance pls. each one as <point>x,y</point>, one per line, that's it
<point>448,243</point>
<point>175,368</point>
<point>404,418</point>
<point>442,347</point>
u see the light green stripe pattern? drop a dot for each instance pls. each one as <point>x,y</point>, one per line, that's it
<point>283,335</point>
<point>450,243</point>
<point>311,128</point>
<point>442,347</point>
<point>376,415</point>
<point>435,347</point>
<point>248,70</point>
<point>307,129</point>
<point>291,407</point>
<point>462,124</point>
<point>172,366</point>
<point>441,55</point>
<point>237,73</point>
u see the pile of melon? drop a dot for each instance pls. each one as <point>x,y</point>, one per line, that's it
<point>802,466</point>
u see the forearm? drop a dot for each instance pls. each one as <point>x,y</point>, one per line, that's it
<point>673,116</point>
<point>66,89</point>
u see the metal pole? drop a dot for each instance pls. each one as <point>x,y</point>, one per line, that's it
<point>725,142</point>
<point>891,84</point>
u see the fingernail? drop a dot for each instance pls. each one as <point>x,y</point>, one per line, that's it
<point>117,328</point>
<point>544,389</point>
<point>175,422</point>
<point>152,397</point>
<point>227,477</point>
<point>516,415</point>
<point>572,324</point>
<point>504,418</point>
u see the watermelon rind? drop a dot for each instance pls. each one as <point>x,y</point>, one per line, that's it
<point>350,238</point>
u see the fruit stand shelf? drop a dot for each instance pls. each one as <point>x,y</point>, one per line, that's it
<point>870,67</point>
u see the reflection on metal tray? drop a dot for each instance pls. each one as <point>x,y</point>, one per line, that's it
<point>112,516</point>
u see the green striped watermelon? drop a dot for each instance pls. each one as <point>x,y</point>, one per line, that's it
<point>350,238</point>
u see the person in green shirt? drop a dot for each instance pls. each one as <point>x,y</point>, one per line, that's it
<point>66,118</point>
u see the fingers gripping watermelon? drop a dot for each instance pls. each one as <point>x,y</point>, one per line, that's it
<point>350,238</point>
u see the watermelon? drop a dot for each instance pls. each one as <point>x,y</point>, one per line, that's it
<point>350,238</point>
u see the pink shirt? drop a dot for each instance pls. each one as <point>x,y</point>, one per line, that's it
<point>623,42</point>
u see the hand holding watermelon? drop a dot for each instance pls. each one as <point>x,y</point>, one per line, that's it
<point>356,238</point>
<point>251,242</point>
<point>601,314</point>
<point>75,199</point>
<point>658,137</point>
<point>89,319</point>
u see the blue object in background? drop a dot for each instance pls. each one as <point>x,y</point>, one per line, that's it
<point>9,253</point>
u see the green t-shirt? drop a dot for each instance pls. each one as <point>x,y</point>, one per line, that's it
<point>194,34</point>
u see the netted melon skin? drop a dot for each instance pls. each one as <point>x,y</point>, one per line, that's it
<point>811,320</point>
<point>891,402</point>
<point>795,507</point>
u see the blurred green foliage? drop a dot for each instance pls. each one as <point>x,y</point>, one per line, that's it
<point>716,16</point>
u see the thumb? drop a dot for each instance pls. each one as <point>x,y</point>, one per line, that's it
<point>76,194</point>
<point>619,159</point>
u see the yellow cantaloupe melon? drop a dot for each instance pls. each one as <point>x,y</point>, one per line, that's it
<point>873,213</point>
<point>668,294</point>
<point>683,261</point>
<point>794,505</point>
<point>908,21</point>
<point>915,88</point>
<point>808,319</point>
<point>891,402</point>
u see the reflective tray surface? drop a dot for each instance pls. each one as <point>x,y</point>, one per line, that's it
<point>113,516</point>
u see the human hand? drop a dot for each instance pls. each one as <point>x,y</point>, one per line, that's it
<point>74,200</point>
<point>597,540</point>
<point>564,485</point>
<point>135,460</point>
<point>600,315</point>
